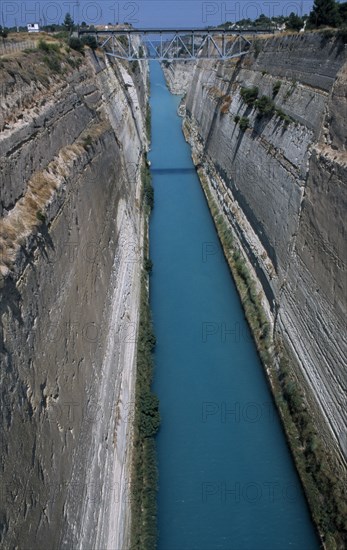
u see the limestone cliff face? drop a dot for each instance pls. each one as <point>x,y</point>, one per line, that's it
<point>282,185</point>
<point>70,240</point>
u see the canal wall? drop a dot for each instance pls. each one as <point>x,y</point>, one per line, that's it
<point>277,170</point>
<point>73,135</point>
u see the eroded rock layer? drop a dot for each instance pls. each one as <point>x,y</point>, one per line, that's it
<point>280,178</point>
<point>72,144</point>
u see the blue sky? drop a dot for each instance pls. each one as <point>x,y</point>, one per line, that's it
<point>145,13</point>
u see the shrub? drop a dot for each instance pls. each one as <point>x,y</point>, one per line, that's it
<point>244,123</point>
<point>148,265</point>
<point>148,121</point>
<point>76,44</point>
<point>149,414</point>
<point>75,63</point>
<point>342,34</point>
<point>328,33</point>
<point>3,32</point>
<point>53,63</point>
<point>62,35</point>
<point>249,95</point>
<point>89,40</point>
<point>236,119</point>
<point>291,89</point>
<point>144,475</point>
<point>40,216</point>
<point>48,47</point>
<point>265,105</point>
<point>134,66</point>
<point>276,88</point>
<point>283,116</point>
<point>147,188</point>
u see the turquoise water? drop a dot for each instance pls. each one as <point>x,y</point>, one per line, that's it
<point>227,480</point>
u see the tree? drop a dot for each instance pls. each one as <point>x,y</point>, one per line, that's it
<point>3,32</point>
<point>68,22</point>
<point>324,12</point>
<point>294,22</point>
<point>343,12</point>
<point>262,21</point>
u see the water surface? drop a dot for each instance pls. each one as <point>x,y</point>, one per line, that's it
<point>227,479</point>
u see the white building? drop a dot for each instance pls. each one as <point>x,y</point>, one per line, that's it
<point>33,27</point>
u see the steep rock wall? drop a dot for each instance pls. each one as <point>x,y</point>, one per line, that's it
<point>282,185</point>
<point>71,249</point>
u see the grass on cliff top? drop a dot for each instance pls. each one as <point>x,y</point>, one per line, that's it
<point>41,58</point>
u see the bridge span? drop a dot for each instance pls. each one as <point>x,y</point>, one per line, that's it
<point>175,44</point>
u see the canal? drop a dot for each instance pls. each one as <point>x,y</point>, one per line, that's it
<point>226,477</point>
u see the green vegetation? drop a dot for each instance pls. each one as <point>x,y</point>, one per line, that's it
<point>147,418</point>
<point>244,123</point>
<point>283,116</point>
<point>290,91</point>
<point>325,12</point>
<point>294,22</point>
<point>342,6</point>
<point>134,65</point>
<point>265,106</point>
<point>49,46</point>
<point>148,122</point>
<point>148,265</point>
<point>3,32</point>
<point>89,40</point>
<point>68,23</point>
<point>74,62</point>
<point>250,95</point>
<point>326,493</point>
<point>276,88</point>
<point>147,188</point>
<point>76,44</point>
<point>236,119</point>
<point>40,216</point>
<point>342,35</point>
<point>62,35</point>
<point>53,58</point>
<point>324,488</point>
<point>53,63</point>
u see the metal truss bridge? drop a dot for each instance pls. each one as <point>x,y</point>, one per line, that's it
<point>174,45</point>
